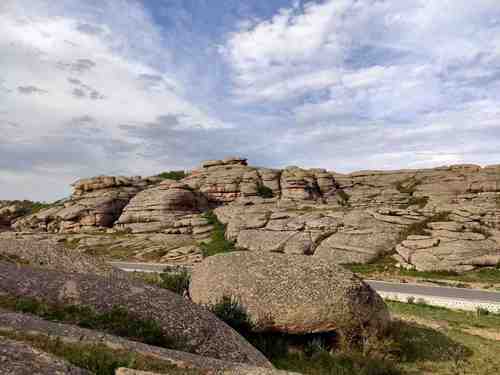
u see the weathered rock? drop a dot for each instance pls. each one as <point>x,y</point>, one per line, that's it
<point>17,358</point>
<point>10,211</point>
<point>96,203</point>
<point>195,328</point>
<point>289,293</point>
<point>23,324</point>
<point>365,236</point>
<point>169,207</point>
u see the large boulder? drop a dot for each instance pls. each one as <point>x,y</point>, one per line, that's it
<point>194,327</point>
<point>294,294</point>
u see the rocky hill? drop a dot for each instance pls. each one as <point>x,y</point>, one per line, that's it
<point>444,218</point>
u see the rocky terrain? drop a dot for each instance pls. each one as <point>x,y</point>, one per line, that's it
<point>430,219</point>
<point>285,236</point>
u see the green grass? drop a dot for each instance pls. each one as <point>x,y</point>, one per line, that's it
<point>386,266</point>
<point>172,175</point>
<point>454,318</point>
<point>117,321</point>
<point>177,282</point>
<point>98,358</point>
<point>218,242</point>
<point>407,348</point>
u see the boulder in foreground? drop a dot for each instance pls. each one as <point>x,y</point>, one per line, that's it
<point>198,330</point>
<point>289,293</point>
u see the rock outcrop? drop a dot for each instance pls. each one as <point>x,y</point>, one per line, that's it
<point>342,218</point>
<point>95,204</point>
<point>50,254</point>
<point>17,358</point>
<point>194,328</point>
<point>29,325</point>
<point>292,294</point>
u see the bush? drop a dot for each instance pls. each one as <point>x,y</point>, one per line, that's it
<point>172,175</point>
<point>177,282</point>
<point>264,192</point>
<point>218,243</point>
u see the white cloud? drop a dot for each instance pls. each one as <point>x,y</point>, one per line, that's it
<point>52,71</point>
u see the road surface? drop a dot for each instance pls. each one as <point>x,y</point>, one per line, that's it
<point>471,295</point>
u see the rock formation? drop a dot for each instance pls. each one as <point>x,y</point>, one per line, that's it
<point>96,203</point>
<point>292,294</point>
<point>342,218</point>
<point>17,358</point>
<point>195,328</point>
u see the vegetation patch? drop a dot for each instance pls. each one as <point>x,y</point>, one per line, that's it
<point>408,185</point>
<point>420,228</point>
<point>177,282</point>
<point>172,175</point>
<point>218,242</point>
<point>98,358</point>
<point>117,321</point>
<point>386,267</point>
<point>407,348</point>
<point>264,191</point>
<point>344,197</point>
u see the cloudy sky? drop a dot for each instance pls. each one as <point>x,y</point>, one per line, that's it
<point>91,87</point>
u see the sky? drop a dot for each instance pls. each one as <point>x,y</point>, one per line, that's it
<point>128,87</point>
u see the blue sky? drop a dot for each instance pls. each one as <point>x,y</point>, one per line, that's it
<point>91,87</point>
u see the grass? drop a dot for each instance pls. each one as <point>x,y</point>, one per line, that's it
<point>455,318</point>
<point>117,321</point>
<point>470,354</point>
<point>177,282</point>
<point>172,175</point>
<point>218,242</point>
<point>386,266</point>
<point>98,358</point>
<point>406,349</point>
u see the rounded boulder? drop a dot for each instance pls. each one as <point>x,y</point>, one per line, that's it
<point>295,294</point>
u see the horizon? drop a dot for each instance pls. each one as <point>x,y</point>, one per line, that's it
<point>127,87</point>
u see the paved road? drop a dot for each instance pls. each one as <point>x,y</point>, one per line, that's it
<point>380,286</point>
<point>436,291</point>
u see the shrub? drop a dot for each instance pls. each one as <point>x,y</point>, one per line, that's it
<point>410,300</point>
<point>264,192</point>
<point>230,311</point>
<point>218,243</point>
<point>407,186</point>
<point>177,282</point>
<point>172,175</point>
<point>344,197</point>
